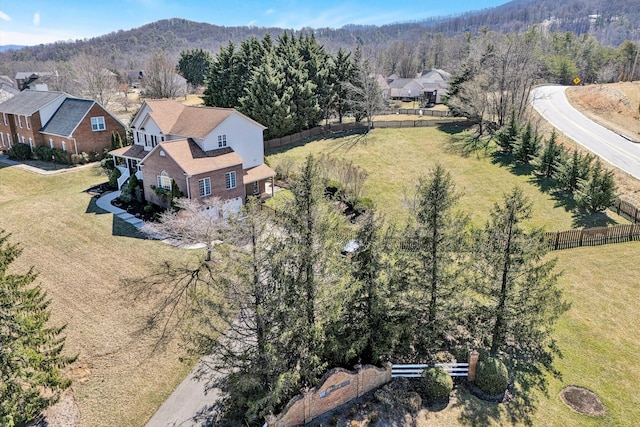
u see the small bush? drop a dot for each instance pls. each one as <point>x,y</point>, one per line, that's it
<point>492,376</point>
<point>43,152</point>
<point>373,417</point>
<point>20,152</point>
<point>437,383</point>
<point>82,158</point>
<point>364,204</point>
<point>113,178</point>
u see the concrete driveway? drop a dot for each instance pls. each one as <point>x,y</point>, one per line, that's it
<point>551,102</point>
<point>184,404</point>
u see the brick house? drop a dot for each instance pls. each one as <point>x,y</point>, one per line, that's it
<point>57,120</point>
<point>205,151</point>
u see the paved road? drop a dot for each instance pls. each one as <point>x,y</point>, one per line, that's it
<point>186,401</point>
<point>552,104</point>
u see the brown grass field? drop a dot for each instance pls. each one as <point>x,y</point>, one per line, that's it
<point>81,254</point>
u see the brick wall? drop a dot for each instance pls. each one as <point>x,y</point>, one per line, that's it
<point>218,184</point>
<point>336,388</point>
<point>89,141</point>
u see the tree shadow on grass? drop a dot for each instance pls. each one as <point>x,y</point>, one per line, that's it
<point>466,145</point>
<point>599,219</point>
<point>517,409</point>
<point>453,128</point>
<point>506,160</point>
<point>119,227</point>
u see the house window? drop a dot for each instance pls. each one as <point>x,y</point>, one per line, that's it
<point>2,138</point>
<point>97,124</point>
<point>64,146</point>
<point>256,188</point>
<point>230,180</point>
<point>205,187</point>
<point>138,137</point>
<point>222,141</point>
<point>4,118</point>
<point>23,139</point>
<point>26,120</point>
<point>31,144</point>
<point>51,142</point>
<point>19,121</point>
<point>9,139</point>
<point>164,181</point>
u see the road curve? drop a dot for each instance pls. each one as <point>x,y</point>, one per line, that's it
<point>551,102</point>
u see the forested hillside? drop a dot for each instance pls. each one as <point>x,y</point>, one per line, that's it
<point>609,21</point>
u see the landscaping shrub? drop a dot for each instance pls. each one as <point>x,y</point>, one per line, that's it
<point>43,152</point>
<point>113,178</point>
<point>492,376</point>
<point>437,383</point>
<point>20,152</point>
<point>81,158</point>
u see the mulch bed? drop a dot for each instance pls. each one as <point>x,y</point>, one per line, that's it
<point>582,400</point>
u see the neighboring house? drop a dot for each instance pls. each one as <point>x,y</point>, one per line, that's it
<point>428,88</point>
<point>7,88</point>
<point>204,151</point>
<point>57,120</point>
<point>28,79</point>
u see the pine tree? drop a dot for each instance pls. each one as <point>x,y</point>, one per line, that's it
<point>30,351</point>
<point>316,61</point>
<point>597,192</point>
<point>546,162</point>
<point>365,331</point>
<point>342,72</point>
<point>507,136</point>
<point>224,87</point>
<point>194,65</point>
<point>569,171</point>
<point>268,100</point>
<point>518,291</point>
<point>432,263</point>
<point>527,145</point>
<point>116,140</point>
<point>303,101</point>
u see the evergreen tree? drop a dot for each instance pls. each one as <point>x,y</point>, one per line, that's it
<point>507,136</point>
<point>598,191</point>
<point>548,158</point>
<point>318,67</point>
<point>224,87</point>
<point>30,350</point>
<point>342,72</point>
<point>116,140</point>
<point>519,297</point>
<point>237,319</point>
<point>194,65</point>
<point>308,264</point>
<point>365,95</point>
<point>569,171</point>
<point>365,331</point>
<point>303,101</point>
<point>268,100</point>
<point>431,264</point>
<point>527,145</point>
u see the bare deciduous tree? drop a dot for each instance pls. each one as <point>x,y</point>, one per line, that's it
<point>93,79</point>
<point>160,78</point>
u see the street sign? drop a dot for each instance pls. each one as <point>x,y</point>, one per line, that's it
<point>576,81</point>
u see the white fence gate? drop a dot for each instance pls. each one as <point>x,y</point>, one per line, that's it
<point>415,371</point>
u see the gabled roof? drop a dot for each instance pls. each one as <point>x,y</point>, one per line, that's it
<point>174,118</point>
<point>132,151</point>
<point>68,116</point>
<point>28,102</point>
<point>191,159</point>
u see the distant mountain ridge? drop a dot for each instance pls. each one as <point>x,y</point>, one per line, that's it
<point>4,48</point>
<point>611,21</point>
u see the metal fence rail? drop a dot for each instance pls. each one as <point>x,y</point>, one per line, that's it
<point>415,371</point>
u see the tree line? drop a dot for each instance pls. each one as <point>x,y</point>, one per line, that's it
<point>277,305</point>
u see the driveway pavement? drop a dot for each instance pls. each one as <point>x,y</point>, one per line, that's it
<point>551,102</point>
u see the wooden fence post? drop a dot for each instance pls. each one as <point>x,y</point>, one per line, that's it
<point>473,362</point>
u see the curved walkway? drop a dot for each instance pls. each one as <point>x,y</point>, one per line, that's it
<point>104,202</point>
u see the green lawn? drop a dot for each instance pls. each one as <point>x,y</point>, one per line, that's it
<point>598,335</point>
<point>81,254</point>
<point>396,158</point>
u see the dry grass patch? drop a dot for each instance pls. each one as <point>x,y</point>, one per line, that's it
<point>81,254</point>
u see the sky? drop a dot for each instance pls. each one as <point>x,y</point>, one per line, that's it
<point>46,21</point>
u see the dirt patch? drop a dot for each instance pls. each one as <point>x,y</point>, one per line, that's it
<point>65,413</point>
<point>582,401</point>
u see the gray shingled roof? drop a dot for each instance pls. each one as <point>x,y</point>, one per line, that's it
<point>67,116</point>
<point>28,102</point>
